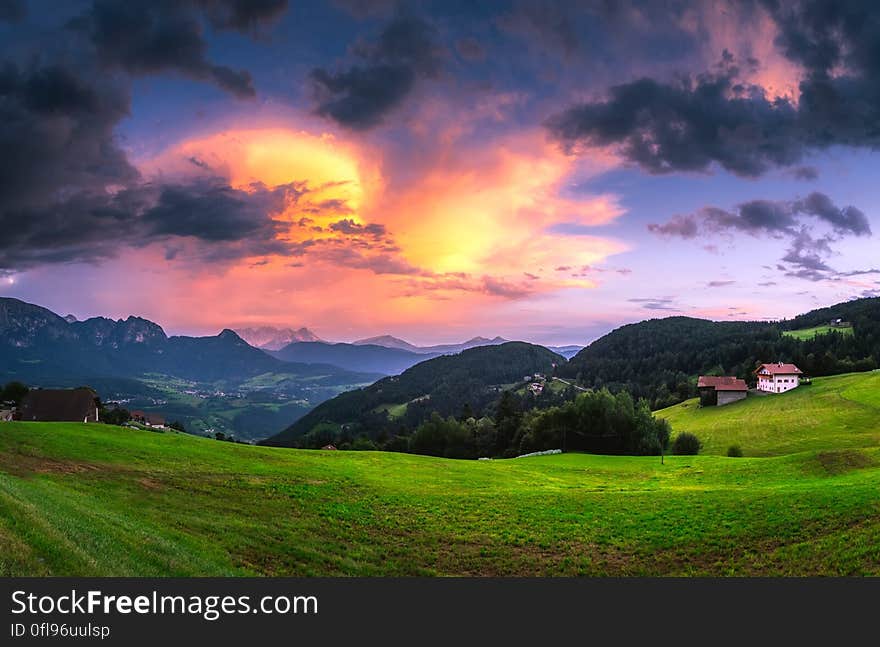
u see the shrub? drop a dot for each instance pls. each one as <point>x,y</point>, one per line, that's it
<point>686,444</point>
<point>735,451</point>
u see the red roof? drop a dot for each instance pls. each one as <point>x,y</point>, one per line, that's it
<point>778,368</point>
<point>722,383</point>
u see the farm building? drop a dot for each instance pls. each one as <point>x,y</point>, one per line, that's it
<point>60,405</point>
<point>148,419</point>
<point>721,390</point>
<point>778,377</point>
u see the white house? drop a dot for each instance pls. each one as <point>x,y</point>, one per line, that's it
<point>778,377</point>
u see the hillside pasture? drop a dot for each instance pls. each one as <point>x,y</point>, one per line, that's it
<point>839,412</point>
<point>808,333</point>
<point>97,500</point>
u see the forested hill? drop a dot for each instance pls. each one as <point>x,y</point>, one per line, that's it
<point>660,359</point>
<point>445,384</point>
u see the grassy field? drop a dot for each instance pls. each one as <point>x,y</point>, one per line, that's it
<point>840,412</point>
<point>809,333</point>
<point>97,500</point>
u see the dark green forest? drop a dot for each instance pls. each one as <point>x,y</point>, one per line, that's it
<point>467,406</point>
<point>660,359</point>
<point>468,382</point>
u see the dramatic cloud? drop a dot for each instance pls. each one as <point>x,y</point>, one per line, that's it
<point>686,126</point>
<point>779,219</point>
<point>360,96</point>
<point>223,223</point>
<point>153,36</point>
<point>56,134</point>
<point>719,118</point>
<point>67,189</point>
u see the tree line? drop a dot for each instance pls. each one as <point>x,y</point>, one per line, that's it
<point>598,422</point>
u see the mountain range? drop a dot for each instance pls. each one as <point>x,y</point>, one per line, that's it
<point>364,357</point>
<point>38,345</point>
<point>214,383</point>
<point>386,354</point>
<point>389,341</point>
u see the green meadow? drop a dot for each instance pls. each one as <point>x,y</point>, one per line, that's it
<point>839,412</point>
<point>808,333</point>
<point>99,500</point>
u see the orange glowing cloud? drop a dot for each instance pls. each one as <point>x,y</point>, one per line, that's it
<point>476,226</point>
<point>488,211</point>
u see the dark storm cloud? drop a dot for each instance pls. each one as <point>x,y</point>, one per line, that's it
<point>359,97</point>
<point>153,36</point>
<point>776,218</point>
<point>69,194</point>
<point>56,133</point>
<point>67,190</point>
<point>223,224</point>
<point>686,126</point>
<point>212,211</point>
<point>806,254</point>
<point>717,118</point>
<point>12,10</point>
<point>847,220</point>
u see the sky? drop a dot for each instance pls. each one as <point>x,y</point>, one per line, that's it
<point>544,171</point>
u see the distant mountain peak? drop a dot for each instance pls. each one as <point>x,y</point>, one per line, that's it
<point>272,338</point>
<point>485,340</point>
<point>388,341</point>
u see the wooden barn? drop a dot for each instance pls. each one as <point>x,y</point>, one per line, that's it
<point>60,405</point>
<point>721,390</point>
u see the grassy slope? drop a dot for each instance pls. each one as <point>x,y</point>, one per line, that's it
<point>837,412</point>
<point>97,500</point>
<point>809,333</point>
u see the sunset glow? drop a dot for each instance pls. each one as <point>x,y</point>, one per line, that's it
<point>505,175</point>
